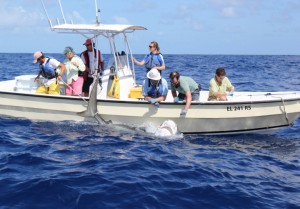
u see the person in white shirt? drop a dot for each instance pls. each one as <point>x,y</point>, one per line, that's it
<point>93,62</point>
<point>74,65</point>
<point>52,71</point>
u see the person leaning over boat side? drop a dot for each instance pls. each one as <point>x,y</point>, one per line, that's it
<point>153,59</point>
<point>218,86</point>
<point>93,63</point>
<point>73,65</point>
<point>155,88</point>
<point>52,70</point>
<point>187,88</point>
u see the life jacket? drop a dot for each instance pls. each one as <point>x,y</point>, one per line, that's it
<point>153,60</point>
<point>154,90</point>
<point>47,70</point>
<point>87,62</point>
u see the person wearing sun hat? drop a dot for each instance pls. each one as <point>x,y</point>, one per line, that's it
<point>52,70</point>
<point>74,66</point>
<point>155,88</point>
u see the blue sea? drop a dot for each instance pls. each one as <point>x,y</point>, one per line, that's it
<point>84,165</point>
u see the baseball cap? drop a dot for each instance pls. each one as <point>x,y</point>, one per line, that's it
<point>68,49</point>
<point>36,56</point>
<point>88,42</point>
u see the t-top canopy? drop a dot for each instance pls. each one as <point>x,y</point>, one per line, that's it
<point>97,28</point>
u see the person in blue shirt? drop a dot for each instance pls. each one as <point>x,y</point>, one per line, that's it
<point>155,88</point>
<point>153,59</point>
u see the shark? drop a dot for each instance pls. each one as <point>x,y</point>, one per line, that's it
<point>91,110</point>
<point>167,128</point>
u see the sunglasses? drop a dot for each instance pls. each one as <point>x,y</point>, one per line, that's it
<point>221,77</point>
<point>151,46</point>
<point>38,59</point>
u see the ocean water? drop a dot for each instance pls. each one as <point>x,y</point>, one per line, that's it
<point>84,165</point>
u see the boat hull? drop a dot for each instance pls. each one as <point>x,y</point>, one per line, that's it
<point>201,118</point>
<point>206,118</point>
<point>41,107</point>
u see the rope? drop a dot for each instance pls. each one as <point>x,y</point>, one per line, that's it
<point>264,94</point>
<point>73,90</point>
<point>286,116</point>
<point>284,111</point>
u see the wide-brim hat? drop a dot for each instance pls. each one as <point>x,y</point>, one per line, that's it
<point>153,74</point>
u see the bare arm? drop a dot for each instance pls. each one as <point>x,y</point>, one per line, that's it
<point>161,67</point>
<point>188,100</point>
<point>174,94</point>
<point>141,63</point>
<point>38,76</point>
<point>62,70</point>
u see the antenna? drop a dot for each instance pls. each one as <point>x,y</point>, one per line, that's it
<point>62,12</point>
<point>97,13</point>
<point>46,14</point>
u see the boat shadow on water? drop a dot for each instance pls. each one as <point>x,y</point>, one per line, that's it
<point>282,141</point>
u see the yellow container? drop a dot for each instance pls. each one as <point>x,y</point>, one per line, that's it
<point>136,92</point>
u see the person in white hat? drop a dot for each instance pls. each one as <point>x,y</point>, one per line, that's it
<point>52,70</point>
<point>155,88</point>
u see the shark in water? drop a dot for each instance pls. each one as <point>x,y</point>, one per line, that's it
<point>167,128</point>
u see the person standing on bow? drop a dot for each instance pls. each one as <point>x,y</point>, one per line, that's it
<point>153,59</point>
<point>73,65</point>
<point>155,88</point>
<point>93,64</point>
<point>187,89</point>
<point>218,86</point>
<point>52,70</point>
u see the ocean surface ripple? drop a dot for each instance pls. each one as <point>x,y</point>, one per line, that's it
<point>84,165</point>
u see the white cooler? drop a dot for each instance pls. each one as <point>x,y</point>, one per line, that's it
<point>26,84</point>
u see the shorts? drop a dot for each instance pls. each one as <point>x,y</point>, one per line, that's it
<point>75,88</point>
<point>195,96</point>
<point>86,84</point>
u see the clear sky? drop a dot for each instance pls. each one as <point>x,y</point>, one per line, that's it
<point>179,26</point>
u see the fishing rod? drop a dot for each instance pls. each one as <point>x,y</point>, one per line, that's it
<point>73,90</point>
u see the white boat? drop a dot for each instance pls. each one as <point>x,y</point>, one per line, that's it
<point>243,112</point>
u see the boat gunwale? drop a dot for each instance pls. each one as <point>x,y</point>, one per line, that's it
<point>141,101</point>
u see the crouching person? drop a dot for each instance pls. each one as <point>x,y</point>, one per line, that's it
<point>52,71</point>
<point>218,86</point>
<point>187,89</point>
<point>155,88</point>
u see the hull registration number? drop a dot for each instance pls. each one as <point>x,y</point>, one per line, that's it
<point>238,108</point>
